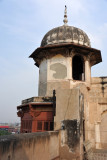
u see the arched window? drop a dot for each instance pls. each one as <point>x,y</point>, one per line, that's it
<point>78,68</point>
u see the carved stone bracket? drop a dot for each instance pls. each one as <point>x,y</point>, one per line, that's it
<point>33,112</point>
<point>20,114</point>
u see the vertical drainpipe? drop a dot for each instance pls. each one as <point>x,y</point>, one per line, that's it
<point>54,103</point>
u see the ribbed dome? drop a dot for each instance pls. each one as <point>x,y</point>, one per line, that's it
<point>66,34</point>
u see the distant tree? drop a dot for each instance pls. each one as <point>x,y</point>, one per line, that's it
<point>4,132</point>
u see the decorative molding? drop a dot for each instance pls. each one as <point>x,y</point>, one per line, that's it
<point>48,55</point>
<point>67,51</point>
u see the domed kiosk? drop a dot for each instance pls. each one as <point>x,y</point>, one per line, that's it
<point>64,58</point>
<point>65,34</point>
<point>70,101</point>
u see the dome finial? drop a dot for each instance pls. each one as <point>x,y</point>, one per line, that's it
<point>65,16</point>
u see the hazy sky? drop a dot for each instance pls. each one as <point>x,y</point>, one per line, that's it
<point>23,23</point>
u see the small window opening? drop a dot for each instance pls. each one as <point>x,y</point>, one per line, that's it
<point>46,126</point>
<point>78,68</point>
<point>39,125</point>
<point>51,126</point>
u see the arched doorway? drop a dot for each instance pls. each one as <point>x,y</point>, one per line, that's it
<point>78,68</point>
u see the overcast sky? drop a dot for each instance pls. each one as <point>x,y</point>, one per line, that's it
<point>23,23</point>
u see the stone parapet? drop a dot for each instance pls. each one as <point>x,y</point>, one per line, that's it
<point>38,146</point>
<point>37,99</point>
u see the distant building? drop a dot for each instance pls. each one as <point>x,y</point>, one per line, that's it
<point>4,128</point>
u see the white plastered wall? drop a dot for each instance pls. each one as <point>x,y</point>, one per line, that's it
<point>64,63</point>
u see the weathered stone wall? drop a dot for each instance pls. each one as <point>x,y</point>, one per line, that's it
<point>32,146</point>
<point>95,112</point>
<point>99,154</point>
<point>98,88</point>
<point>69,114</point>
<point>57,68</point>
<point>55,72</point>
<point>67,106</point>
<point>97,116</point>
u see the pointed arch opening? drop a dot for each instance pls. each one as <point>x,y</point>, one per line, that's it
<point>78,71</point>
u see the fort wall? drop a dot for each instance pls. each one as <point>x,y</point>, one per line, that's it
<point>30,146</point>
